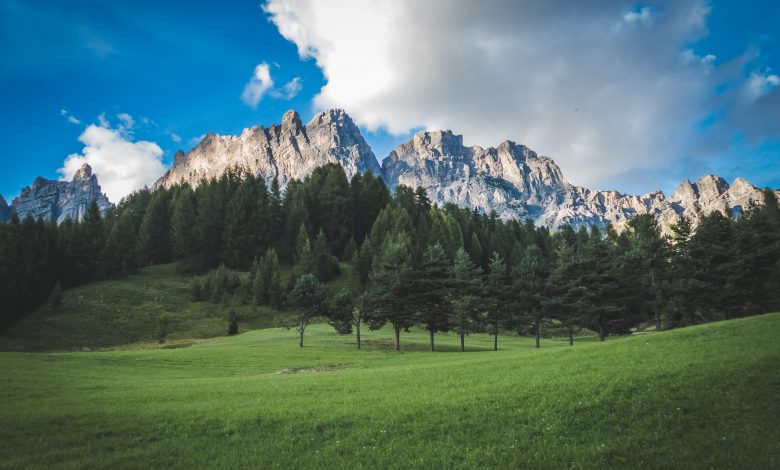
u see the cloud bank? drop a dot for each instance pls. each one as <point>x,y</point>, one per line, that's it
<point>611,89</point>
<point>121,164</point>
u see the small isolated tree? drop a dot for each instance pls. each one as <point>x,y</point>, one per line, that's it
<point>340,312</point>
<point>232,323</point>
<point>56,295</point>
<point>308,298</point>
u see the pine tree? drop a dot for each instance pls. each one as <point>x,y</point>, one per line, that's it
<point>154,242</point>
<point>184,221</point>
<point>498,295</point>
<point>389,296</point>
<point>466,296</point>
<point>431,288</point>
<point>308,298</point>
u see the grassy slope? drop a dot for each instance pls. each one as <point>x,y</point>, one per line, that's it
<point>699,397</point>
<point>112,313</point>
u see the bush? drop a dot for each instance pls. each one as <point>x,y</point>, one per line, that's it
<point>232,323</point>
<point>56,295</point>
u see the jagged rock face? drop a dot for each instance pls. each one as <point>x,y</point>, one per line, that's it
<point>287,151</point>
<point>5,211</point>
<point>58,200</point>
<point>517,183</point>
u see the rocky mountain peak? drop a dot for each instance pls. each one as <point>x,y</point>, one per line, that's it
<point>5,210</point>
<point>292,121</point>
<point>83,173</point>
<point>58,200</point>
<point>286,151</point>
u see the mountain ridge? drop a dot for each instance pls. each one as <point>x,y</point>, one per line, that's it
<point>510,179</point>
<point>58,200</point>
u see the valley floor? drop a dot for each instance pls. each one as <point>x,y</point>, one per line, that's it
<point>699,397</point>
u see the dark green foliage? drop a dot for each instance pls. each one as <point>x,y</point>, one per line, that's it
<point>308,298</point>
<point>506,274</point>
<point>55,299</point>
<point>466,296</point>
<point>232,323</point>
<point>154,238</point>
<point>340,312</point>
<point>390,298</point>
<point>218,286</point>
<point>432,289</point>
<point>265,285</point>
<point>246,220</point>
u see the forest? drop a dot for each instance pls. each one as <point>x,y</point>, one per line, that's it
<point>412,263</point>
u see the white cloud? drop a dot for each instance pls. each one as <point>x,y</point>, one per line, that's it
<point>759,84</point>
<point>258,85</point>
<point>605,102</point>
<point>174,137</point>
<point>67,115</point>
<point>121,165</point>
<point>289,91</point>
<point>642,15</point>
<point>127,121</point>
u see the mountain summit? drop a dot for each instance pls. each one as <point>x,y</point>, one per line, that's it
<point>58,200</point>
<point>286,151</point>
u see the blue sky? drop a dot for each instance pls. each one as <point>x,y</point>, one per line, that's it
<point>179,69</point>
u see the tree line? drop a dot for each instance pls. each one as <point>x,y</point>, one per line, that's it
<point>412,263</point>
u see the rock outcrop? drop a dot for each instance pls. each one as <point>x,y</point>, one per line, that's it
<point>287,151</point>
<point>5,211</point>
<point>517,183</point>
<point>58,200</point>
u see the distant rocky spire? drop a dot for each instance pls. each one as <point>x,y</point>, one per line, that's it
<point>83,173</point>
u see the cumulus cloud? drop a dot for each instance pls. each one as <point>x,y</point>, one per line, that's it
<point>258,85</point>
<point>121,164</point>
<point>606,102</point>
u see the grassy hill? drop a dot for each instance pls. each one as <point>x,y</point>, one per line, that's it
<point>112,313</point>
<point>699,397</point>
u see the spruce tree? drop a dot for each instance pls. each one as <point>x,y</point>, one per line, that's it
<point>467,291</point>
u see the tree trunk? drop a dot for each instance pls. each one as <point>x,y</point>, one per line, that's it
<point>601,330</point>
<point>537,331</point>
<point>495,340</point>
<point>357,331</point>
<point>301,328</point>
<point>462,342</point>
<point>397,332</point>
<point>359,319</point>
<point>657,314</point>
<point>571,335</point>
<point>431,332</point>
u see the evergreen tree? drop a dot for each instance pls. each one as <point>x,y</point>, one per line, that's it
<point>431,290</point>
<point>467,293</point>
<point>154,242</point>
<point>498,296</point>
<point>389,297</point>
<point>308,299</point>
<point>184,220</point>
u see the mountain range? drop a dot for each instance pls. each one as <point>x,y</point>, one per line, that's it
<point>510,179</point>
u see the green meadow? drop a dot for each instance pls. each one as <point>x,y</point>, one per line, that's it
<point>699,397</point>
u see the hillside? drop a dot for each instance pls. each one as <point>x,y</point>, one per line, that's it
<point>124,311</point>
<point>698,397</point>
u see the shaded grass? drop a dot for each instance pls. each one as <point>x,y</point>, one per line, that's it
<point>118,312</point>
<point>699,397</point>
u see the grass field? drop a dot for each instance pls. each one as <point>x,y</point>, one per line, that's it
<point>125,311</point>
<point>699,397</point>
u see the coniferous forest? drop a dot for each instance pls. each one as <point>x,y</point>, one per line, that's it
<point>412,263</point>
